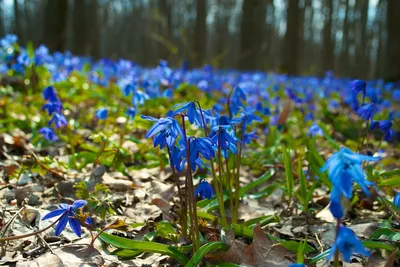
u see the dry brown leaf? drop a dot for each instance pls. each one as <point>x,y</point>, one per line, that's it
<point>262,252</point>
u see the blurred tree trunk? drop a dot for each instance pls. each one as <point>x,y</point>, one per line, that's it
<point>94,33</point>
<point>291,42</point>
<point>380,28</point>
<point>393,42</point>
<point>56,24</point>
<point>165,30</point>
<point>344,53</point>
<point>17,21</point>
<point>2,30</point>
<point>79,27</point>
<point>251,33</point>
<point>327,43</point>
<point>200,44</point>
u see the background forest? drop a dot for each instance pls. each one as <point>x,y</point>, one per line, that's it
<point>354,38</point>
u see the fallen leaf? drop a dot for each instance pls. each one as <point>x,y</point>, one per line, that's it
<point>261,252</point>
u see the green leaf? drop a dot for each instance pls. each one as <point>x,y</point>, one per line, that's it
<point>213,204</point>
<point>287,161</point>
<point>263,178</point>
<point>199,255</point>
<point>166,230</point>
<point>381,231</point>
<point>294,246</point>
<point>258,220</point>
<point>144,246</point>
<point>395,181</point>
<point>390,173</point>
<point>320,256</point>
<point>303,185</point>
<point>126,254</point>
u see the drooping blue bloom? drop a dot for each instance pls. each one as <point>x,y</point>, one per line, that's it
<point>203,146</point>
<point>390,135</point>
<point>246,117</point>
<point>102,113</point>
<point>8,41</point>
<point>249,136</point>
<point>374,125</point>
<point>131,113</point>
<point>165,131</point>
<point>315,130</point>
<point>348,244</point>
<point>204,190</point>
<point>344,167</point>
<point>192,112</point>
<point>48,134</point>
<point>177,157</point>
<point>297,265</point>
<point>225,139</point>
<point>59,120</point>
<point>385,125</point>
<point>53,107</point>
<point>49,94</point>
<point>367,111</point>
<point>358,86</point>
<point>236,100</point>
<point>67,213</point>
<point>139,97</point>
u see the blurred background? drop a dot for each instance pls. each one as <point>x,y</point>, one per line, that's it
<point>354,38</point>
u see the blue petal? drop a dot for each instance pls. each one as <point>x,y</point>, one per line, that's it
<point>54,213</point>
<point>75,226</point>
<point>78,204</point>
<point>62,223</point>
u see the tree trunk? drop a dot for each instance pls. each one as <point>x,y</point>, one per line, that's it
<point>393,43</point>
<point>79,27</point>
<point>17,21</point>
<point>251,33</point>
<point>56,24</point>
<point>327,45</point>
<point>200,44</point>
<point>94,33</point>
<point>291,42</point>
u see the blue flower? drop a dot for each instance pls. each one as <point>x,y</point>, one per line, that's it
<point>67,213</point>
<point>52,107</point>
<point>50,94</point>
<point>165,131</point>
<point>192,112</point>
<point>358,86</point>
<point>139,97</point>
<point>297,265</point>
<point>246,117</point>
<point>204,190</point>
<point>59,120</point>
<point>131,113</point>
<point>236,100</point>
<point>315,130</point>
<point>177,158</point>
<point>385,125</point>
<point>348,244</point>
<point>249,136</point>
<point>48,134</point>
<point>102,113</point>
<point>367,111</point>
<point>390,135</point>
<point>225,139</point>
<point>344,167</point>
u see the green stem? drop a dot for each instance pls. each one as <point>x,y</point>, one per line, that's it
<point>336,257</point>
<point>218,193</point>
<point>229,185</point>
<point>183,210</point>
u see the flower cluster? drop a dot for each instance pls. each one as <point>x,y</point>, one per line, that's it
<point>54,108</point>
